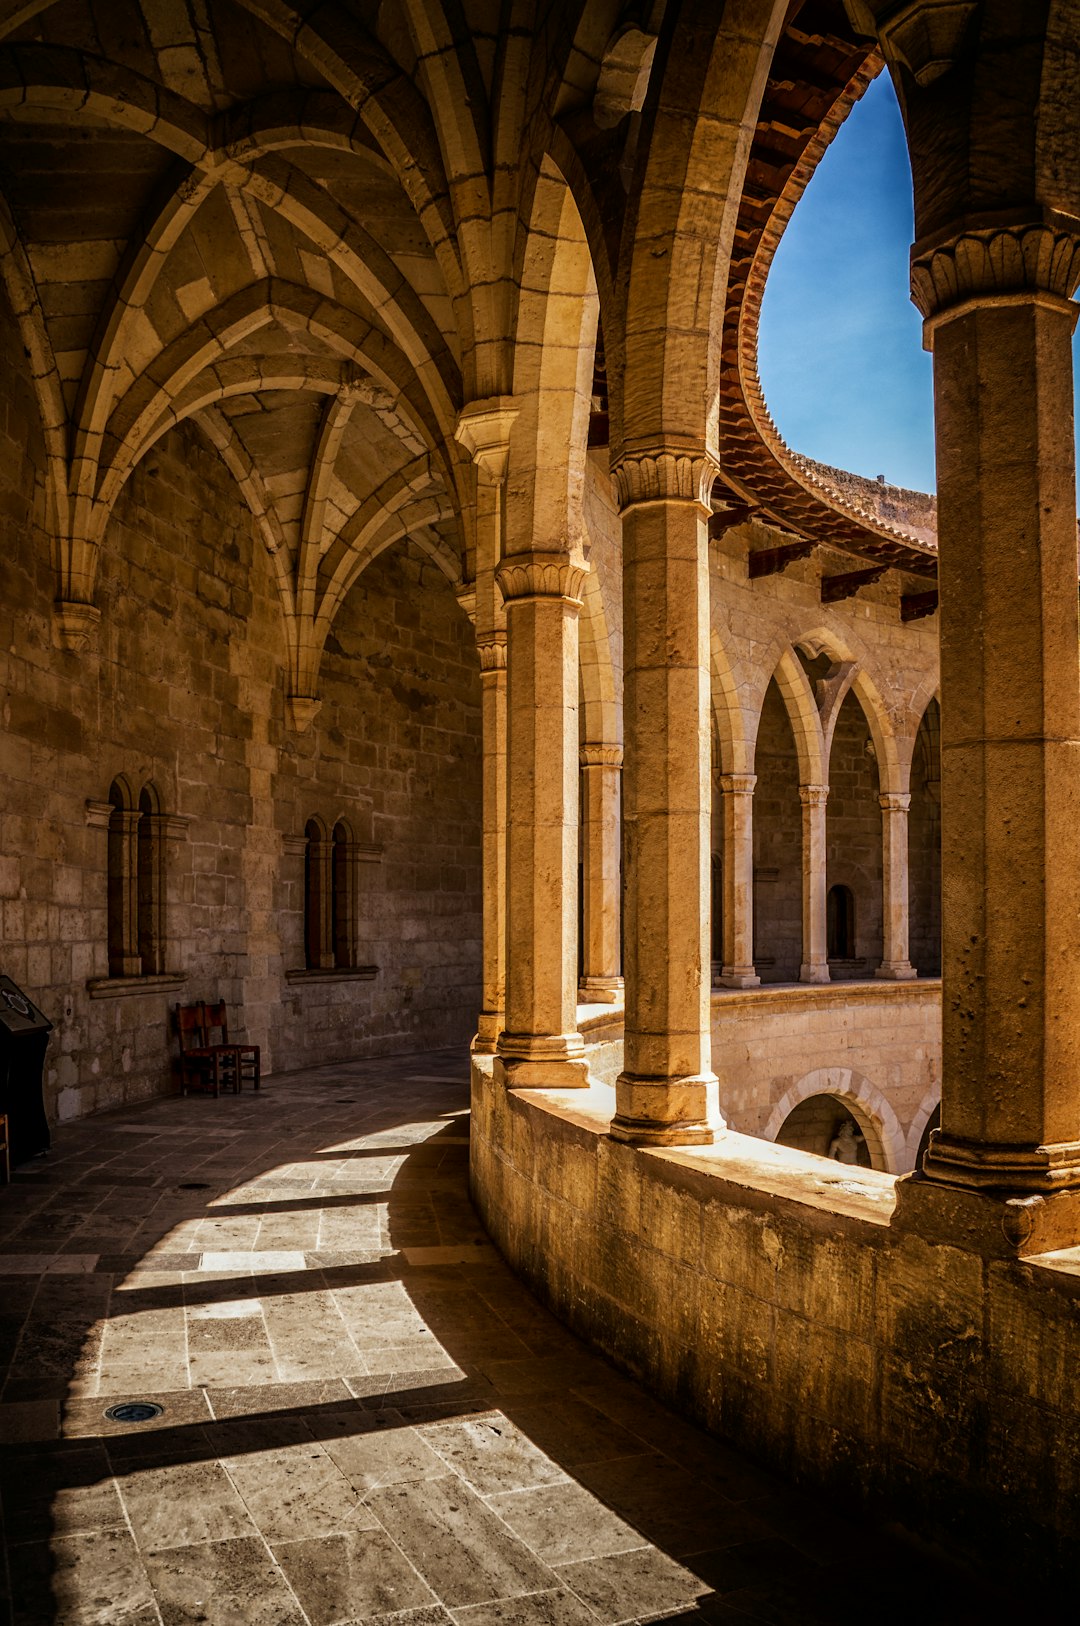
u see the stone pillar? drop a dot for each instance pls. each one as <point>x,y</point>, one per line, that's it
<point>1010,721</point>
<point>667,1093</point>
<point>895,964</point>
<point>484,430</point>
<point>539,1045</point>
<point>601,771</point>
<point>737,799</point>
<point>815,960</point>
<point>492,647</point>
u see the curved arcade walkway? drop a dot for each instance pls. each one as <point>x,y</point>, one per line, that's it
<point>364,1415</point>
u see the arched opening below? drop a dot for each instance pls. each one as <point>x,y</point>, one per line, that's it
<point>840,923</point>
<point>827,1126</point>
<point>924,846</point>
<point>778,942</point>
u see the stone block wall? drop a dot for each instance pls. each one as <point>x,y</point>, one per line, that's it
<point>184,690</point>
<point>792,1309</point>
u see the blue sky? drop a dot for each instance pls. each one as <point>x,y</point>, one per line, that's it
<point>842,365</point>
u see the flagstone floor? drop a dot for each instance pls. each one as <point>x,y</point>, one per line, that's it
<point>364,1416</point>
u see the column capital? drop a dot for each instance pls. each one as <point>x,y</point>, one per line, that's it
<point>895,801</point>
<point>996,264</point>
<point>813,795</point>
<point>75,625</point>
<point>483,428</point>
<point>541,575</point>
<point>301,711</point>
<point>492,648</point>
<point>737,784</point>
<point>667,474</point>
<point>592,754</point>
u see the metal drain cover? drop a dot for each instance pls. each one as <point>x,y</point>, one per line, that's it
<point>134,1411</point>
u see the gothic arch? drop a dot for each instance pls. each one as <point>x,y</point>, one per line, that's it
<point>865,1102</point>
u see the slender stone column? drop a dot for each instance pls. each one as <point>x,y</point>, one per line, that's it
<point>601,771</point>
<point>539,1045</point>
<point>895,964</point>
<point>1010,720</point>
<point>667,1093</point>
<point>815,961</point>
<point>484,430</point>
<point>492,647</point>
<point>737,799</point>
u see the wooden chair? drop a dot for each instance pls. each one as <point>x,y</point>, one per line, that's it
<point>240,1063</point>
<point>199,1069</point>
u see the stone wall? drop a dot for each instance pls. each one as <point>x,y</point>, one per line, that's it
<point>789,1306</point>
<point>184,690</point>
<point>875,1045</point>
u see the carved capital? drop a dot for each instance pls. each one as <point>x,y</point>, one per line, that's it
<point>738,784</point>
<point>75,625</point>
<point>926,36</point>
<point>492,647</point>
<point>813,795</point>
<point>594,754</point>
<point>98,815</point>
<point>541,575</point>
<point>993,265</point>
<point>483,428</point>
<point>895,801</point>
<point>301,711</point>
<point>665,476</point>
<point>466,597</point>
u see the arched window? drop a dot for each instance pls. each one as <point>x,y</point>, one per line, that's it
<point>318,907</point>
<point>123,933</point>
<point>344,896</point>
<point>840,923</point>
<point>150,883</point>
<point>136,882</point>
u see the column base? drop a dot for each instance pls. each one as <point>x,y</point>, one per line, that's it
<point>990,1224</point>
<point>667,1111</point>
<point>600,990</point>
<point>814,972</point>
<point>488,1027</point>
<point>1015,1170</point>
<point>737,976</point>
<point>896,971</point>
<point>544,1061</point>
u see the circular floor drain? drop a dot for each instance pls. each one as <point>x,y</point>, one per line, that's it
<point>194,1185</point>
<point>134,1411</point>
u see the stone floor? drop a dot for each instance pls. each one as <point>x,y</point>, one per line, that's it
<point>365,1416</point>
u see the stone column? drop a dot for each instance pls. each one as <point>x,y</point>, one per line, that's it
<point>737,800</point>
<point>539,1044</point>
<point>815,960</point>
<point>492,647</point>
<point>601,771</point>
<point>1000,325</point>
<point>895,964</point>
<point>484,430</point>
<point>667,1093</point>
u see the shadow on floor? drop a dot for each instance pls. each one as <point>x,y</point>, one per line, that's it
<point>365,1415</point>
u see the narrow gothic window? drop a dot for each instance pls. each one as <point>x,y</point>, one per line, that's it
<point>318,909</point>
<point>150,884</point>
<point>122,916</point>
<point>840,923</point>
<point>344,896</point>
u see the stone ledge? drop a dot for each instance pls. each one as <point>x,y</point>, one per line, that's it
<point>118,987</point>
<point>352,973</point>
<point>825,993</point>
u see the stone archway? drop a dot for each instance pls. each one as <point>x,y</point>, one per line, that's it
<point>885,1140</point>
